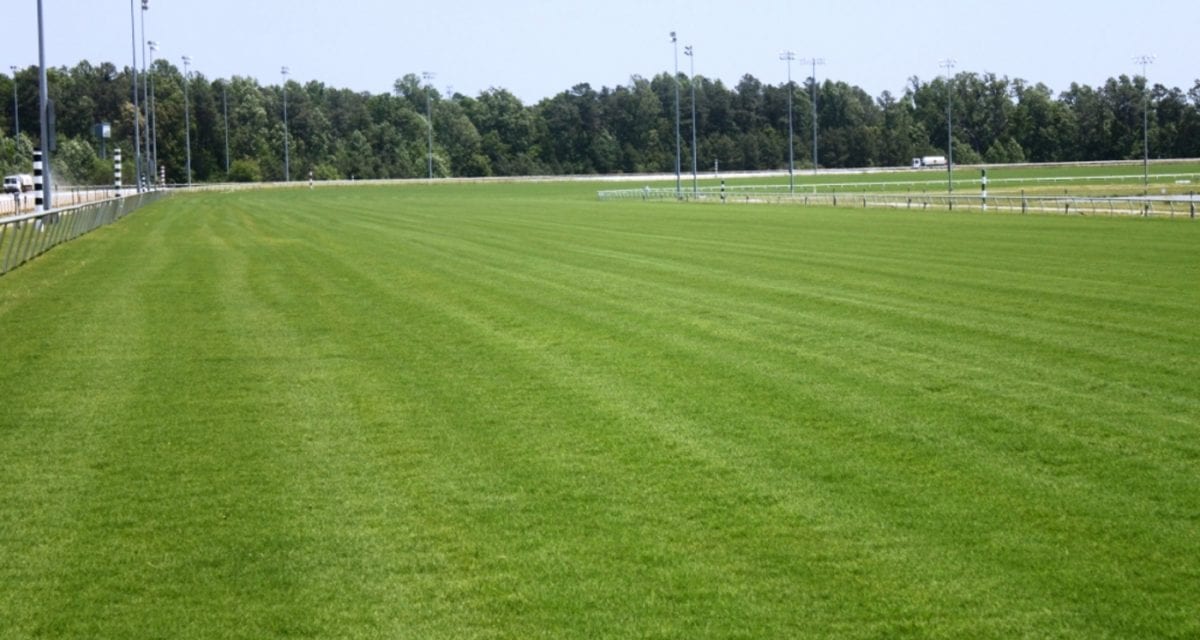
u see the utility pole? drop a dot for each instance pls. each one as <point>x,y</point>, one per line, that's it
<point>789,56</point>
<point>1145,61</point>
<point>44,108</point>
<point>137,102</point>
<point>149,175</point>
<point>287,158</point>
<point>187,118</point>
<point>948,64</point>
<point>678,142</point>
<point>152,116</point>
<point>16,109</point>
<point>814,62</point>
<point>225,108</point>
<point>428,76</point>
<point>691,54</point>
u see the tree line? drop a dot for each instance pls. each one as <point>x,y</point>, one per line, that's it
<point>342,134</point>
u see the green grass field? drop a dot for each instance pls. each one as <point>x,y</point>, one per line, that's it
<point>512,411</point>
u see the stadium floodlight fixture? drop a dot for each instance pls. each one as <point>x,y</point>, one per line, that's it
<point>691,54</point>
<point>287,156</point>
<point>428,76</point>
<point>187,117</point>
<point>948,64</point>
<point>814,62</point>
<point>788,57</point>
<point>678,142</point>
<point>1145,61</point>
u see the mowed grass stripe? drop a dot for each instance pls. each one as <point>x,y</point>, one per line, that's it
<point>937,317</point>
<point>474,318</point>
<point>514,412</point>
<point>383,294</point>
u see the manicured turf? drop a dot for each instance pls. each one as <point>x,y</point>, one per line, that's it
<point>511,411</point>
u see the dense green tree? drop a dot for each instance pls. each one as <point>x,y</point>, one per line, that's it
<point>339,133</point>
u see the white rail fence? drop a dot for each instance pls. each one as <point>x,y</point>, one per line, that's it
<point>15,203</point>
<point>27,236</point>
<point>1145,206</point>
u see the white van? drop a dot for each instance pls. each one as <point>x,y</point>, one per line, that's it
<point>18,183</point>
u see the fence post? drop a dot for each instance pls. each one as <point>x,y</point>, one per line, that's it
<point>1024,203</point>
<point>38,194</point>
<point>983,186</point>
<point>1193,202</point>
<point>117,171</point>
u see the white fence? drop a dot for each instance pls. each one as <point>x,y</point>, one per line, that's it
<point>1147,206</point>
<point>12,204</point>
<point>24,237</point>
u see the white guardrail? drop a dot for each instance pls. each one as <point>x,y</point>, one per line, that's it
<point>1145,206</point>
<point>24,237</point>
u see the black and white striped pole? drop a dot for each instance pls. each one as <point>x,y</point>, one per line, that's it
<point>117,171</point>
<point>38,200</point>
<point>983,186</point>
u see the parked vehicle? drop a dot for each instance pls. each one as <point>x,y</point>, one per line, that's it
<point>18,183</point>
<point>929,161</point>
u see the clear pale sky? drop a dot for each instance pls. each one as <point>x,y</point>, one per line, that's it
<point>537,48</point>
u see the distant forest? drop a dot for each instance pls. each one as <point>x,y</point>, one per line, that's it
<point>339,133</point>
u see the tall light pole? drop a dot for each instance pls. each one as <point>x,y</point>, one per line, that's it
<point>1145,61</point>
<point>789,56</point>
<point>153,114</point>
<point>691,54</point>
<point>137,106</point>
<point>16,110</point>
<point>187,118</point>
<point>287,158</point>
<point>225,109</point>
<point>44,113</point>
<point>678,142</point>
<point>428,76</point>
<point>814,62</point>
<point>146,100</point>
<point>948,64</point>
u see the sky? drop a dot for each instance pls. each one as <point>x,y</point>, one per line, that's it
<point>538,48</point>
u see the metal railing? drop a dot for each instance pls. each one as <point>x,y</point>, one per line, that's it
<point>1146,206</point>
<point>12,204</point>
<point>27,236</point>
